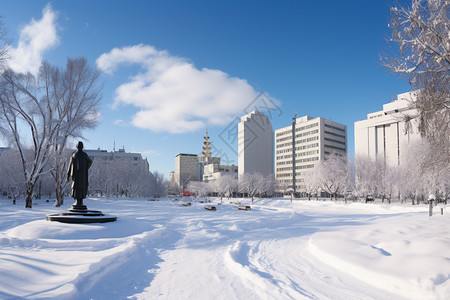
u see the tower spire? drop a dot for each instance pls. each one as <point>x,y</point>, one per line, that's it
<point>206,145</point>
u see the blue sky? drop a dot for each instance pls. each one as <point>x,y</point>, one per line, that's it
<point>179,65</point>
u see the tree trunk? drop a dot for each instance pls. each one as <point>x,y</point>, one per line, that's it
<point>59,195</point>
<point>29,195</point>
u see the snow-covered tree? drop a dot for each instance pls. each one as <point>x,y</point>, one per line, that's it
<point>232,185</point>
<point>3,45</point>
<point>220,187</point>
<point>39,113</point>
<point>368,177</point>
<point>333,174</point>
<point>199,188</point>
<point>251,184</point>
<point>159,185</point>
<point>268,186</point>
<point>12,182</point>
<point>74,107</point>
<point>421,37</point>
<point>311,181</point>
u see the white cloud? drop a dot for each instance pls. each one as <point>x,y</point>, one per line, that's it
<point>172,94</point>
<point>120,123</point>
<point>35,38</point>
<point>150,153</point>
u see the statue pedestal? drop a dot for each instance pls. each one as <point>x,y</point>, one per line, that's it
<point>79,214</point>
<point>78,208</point>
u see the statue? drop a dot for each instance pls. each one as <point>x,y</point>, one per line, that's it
<point>78,172</point>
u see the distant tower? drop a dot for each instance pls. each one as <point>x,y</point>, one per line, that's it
<point>206,145</point>
<point>255,144</point>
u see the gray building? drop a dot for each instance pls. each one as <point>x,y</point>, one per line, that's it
<point>187,168</point>
<point>255,144</point>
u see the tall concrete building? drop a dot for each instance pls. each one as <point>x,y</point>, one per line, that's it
<point>303,144</point>
<point>255,144</point>
<point>187,168</point>
<point>383,134</point>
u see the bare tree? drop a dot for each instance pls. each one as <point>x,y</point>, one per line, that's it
<point>333,174</point>
<point>251,184</point>
<point>11,180</point>
<point>422,54</point>
<point>311,181</point>
<point>268,186</point>
<point>74,95</point>
<point>220,186</point>
<point>368,177</point>
<point>3,45</point>
<point>41,113</point>
<point>200,189</point>
<point>160,184</point>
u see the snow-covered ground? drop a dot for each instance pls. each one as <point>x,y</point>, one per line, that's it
<point>278,250</point>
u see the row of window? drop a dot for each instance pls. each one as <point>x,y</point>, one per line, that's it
<point>298,154</point>
<point>298,135</point>
<point>334,127</point>
<point>334,147</point>
<point>307,127</point>
<point>284,132</point>
<point>288,181</point>
<point>335,134</point>
<point>314,138</point>
<point>296,167</point>
<point>298,129</point>
<point>289,162</point>
<point>306,133</point>
<point>308,147</point>
<point>299,148</point>
<point>334,141</point>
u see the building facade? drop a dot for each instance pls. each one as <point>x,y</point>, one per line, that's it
<point>191,167</point>
<point>187,168</point>
<point>255,144</point>
<point>302,145</point>
<point>215,171</point>
<point>383,135</point>
<point>134,159</point>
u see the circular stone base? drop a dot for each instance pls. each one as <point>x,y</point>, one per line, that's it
<point>81,217</point>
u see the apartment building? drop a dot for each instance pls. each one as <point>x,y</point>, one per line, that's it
<point>303,144</point>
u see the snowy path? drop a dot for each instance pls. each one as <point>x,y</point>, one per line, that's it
<point>278,250</point>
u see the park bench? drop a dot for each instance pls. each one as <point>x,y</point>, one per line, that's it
<point>244,207</point>
<point>370,199</point>
<point>210,207</point>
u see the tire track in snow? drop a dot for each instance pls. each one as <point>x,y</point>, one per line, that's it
<point>272,272</point>
<point>237,259</point>
<point>122,272</point>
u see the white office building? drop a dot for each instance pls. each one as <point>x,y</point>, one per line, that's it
<point>255,144</point>
<point>314,138</point>
<point>215,171</point>
<point>383,135</point>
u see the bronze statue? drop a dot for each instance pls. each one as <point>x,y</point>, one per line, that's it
<point>78,172</point>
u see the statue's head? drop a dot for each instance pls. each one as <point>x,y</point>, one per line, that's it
<point>80,146</point>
